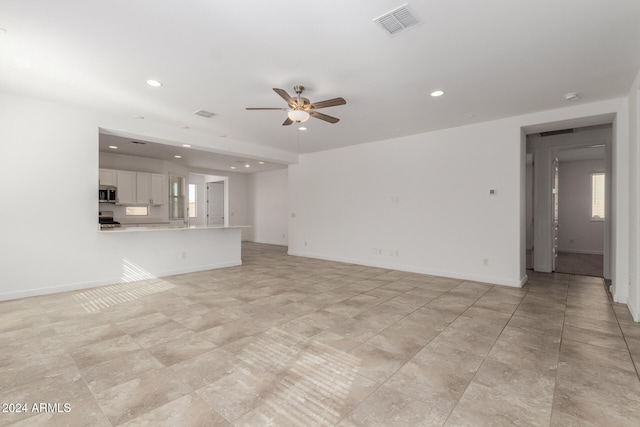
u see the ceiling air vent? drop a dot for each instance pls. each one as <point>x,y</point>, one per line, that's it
<point>204,113</point>
<point>398,20</point>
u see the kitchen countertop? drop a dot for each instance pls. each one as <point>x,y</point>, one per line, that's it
<point>136,229</point>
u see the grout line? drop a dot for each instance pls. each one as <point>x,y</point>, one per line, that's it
<point>555,385</point>
<point>488,352</point>
<point>624,336</point>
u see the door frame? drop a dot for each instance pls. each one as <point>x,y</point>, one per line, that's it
<point>543,154</point>
<point>225,216</point>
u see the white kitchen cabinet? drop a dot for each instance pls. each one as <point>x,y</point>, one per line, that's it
<point>158,192</point>
<point>108,177</point>
<point>143,188</point>
<point>126,183</point>
<point>150,188</point>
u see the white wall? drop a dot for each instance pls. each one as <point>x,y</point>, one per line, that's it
<point>49,159</point>
<point>578,233</point>
<point>634,196</point>
<point>269,207</point>
<point>419,203</point>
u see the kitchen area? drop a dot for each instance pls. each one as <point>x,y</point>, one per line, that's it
<point>148,186</point>
<point>136,199</point>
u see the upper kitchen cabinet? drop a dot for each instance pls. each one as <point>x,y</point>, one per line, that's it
<point>126,183</point>
<point>150,188</point>
<point>108,177</point>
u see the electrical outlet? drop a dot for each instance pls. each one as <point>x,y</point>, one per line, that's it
<point>305,243</point>
<point>184,255</point>
<point>485,262</point>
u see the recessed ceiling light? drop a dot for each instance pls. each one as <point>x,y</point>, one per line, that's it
<point>247,166</point>
<point>262,163</point>
<point>154,83</point>
<point>302,128</point>
<point>184,127</point>
<point>113,147</point>
<point>186,145</point>
<point>177,156</point>
<point>437,93</point>
<point>138,116</point>
<point>233,167</point>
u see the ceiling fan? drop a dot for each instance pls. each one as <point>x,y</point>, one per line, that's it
<point>300,109</point>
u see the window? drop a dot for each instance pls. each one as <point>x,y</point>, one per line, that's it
<point>136,211</point>
<point>193,190</point>
<point>176,197</point>
<point>597,197</point>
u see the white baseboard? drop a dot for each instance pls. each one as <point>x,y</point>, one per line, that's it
<point>634,313</point>
<point>270,242</point>
<point>518,283</point>
<point>94,284</point>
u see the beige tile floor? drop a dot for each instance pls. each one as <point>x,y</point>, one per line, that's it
<point>291,341</point>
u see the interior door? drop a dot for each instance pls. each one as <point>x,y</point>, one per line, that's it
<point>554,213</point>
<point>215,203</point>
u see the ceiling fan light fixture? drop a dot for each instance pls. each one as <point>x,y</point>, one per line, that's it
<point>298,116</point>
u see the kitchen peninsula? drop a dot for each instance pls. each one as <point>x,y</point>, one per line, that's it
<point>145,228</point>
<point>132,228</point>
<point>141,253</point>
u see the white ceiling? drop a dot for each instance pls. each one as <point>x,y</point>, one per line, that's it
<point>494,59</point>
<point>189,157</point>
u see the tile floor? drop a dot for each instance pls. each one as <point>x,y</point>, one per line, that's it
<point>289,341</point>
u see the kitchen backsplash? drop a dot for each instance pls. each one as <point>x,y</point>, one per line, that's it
<point>119,212</point>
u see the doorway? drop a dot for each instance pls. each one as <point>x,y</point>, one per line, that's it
<point>208,200</point>
<point>563,232</point>
<point>215,203</point>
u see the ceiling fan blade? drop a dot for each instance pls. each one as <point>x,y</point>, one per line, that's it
<point>323,117</point>
<point>283,93</point>
<point>287,122</point>
<point>255,108</point>
<point>328,103</point>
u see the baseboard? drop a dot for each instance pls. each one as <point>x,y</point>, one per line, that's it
<point>269,242</point>
<point>106,282</point>
<point>634,313</point>
<point>412,269</point>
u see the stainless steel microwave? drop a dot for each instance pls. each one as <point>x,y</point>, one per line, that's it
<point>107,194</point>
